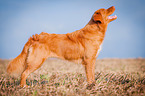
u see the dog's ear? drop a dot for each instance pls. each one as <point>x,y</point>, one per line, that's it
<point>97,17</point>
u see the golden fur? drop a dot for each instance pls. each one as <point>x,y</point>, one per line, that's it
<point>81,46</point>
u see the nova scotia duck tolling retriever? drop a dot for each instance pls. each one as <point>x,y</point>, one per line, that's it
<point>81,46</point>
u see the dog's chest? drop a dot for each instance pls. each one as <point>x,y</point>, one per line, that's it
<point>100,48</point>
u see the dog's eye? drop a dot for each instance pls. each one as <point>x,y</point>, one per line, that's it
<point>97,13</point>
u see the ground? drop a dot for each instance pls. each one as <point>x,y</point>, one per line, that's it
<point>57,77</point>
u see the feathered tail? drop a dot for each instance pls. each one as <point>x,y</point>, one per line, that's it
<point>18,64</point>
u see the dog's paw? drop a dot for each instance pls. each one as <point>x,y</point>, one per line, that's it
<point>90,86</point>
<point>24,86</point>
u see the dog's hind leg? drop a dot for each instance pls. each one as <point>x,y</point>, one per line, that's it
<point>37,55</point>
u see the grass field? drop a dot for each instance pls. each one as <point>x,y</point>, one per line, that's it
<point>56,77</point>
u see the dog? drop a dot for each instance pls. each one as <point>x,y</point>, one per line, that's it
<point>81,46</point>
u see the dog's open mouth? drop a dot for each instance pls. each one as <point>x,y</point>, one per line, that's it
<point>112,17</point>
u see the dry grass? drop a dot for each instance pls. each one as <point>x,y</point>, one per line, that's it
<point>58,77</point>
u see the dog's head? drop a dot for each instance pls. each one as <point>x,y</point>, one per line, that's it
<point>102,16</point>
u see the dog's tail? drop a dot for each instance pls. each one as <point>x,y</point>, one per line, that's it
<point>18,64</point>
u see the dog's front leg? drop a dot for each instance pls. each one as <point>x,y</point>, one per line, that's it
<point>90,70</point>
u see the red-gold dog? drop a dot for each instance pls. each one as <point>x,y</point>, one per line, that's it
<point>82,45</point>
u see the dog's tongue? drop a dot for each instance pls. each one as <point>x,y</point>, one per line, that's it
<point>112,17</point>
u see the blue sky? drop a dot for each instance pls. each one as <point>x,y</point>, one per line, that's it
<point>20,19</point>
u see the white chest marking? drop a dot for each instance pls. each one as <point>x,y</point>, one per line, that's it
<point>100,48</point>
